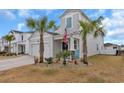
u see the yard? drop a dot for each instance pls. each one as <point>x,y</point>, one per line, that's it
<point>102,68</point>
<point>7,57</point>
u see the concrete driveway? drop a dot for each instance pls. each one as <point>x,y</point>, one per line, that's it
<point>16,62</point>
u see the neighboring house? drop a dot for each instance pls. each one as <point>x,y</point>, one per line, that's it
<point>20,44</point>
<point>4,45</point>
<point>0,45</point>
<point>122,47</point>
<point>53,40</point>
<point>111,48</point>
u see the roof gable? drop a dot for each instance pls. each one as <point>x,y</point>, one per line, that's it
<point>74,10</point>
<point>19,32</point>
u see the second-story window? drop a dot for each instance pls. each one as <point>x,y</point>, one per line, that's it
<point>22,37</point>
<point>69,22</point>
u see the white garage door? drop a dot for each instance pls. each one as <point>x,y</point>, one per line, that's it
<point>35,50</point>
<point>47,50</point>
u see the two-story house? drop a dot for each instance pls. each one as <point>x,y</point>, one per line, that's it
<point>53,40</point>
<point>20,44</point>
<point>4,44</point>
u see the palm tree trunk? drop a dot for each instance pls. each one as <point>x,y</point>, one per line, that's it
<point>85,51</point>
<point>41,47</point>
<point>9,47</point>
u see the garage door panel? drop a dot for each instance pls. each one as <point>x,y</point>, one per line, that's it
<point>47,51</point>
<point>35,50</point>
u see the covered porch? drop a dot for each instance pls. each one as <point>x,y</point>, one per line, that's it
<point>73,44</point>
<point>20,48</point>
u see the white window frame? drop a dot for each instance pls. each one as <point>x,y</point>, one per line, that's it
<point>71,22</point>
<point>77,44</point>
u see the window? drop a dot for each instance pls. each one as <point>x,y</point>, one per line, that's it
<point>22,37</point>
<point>114,47</point>
<point>97,47</point>
<point>75,44</point>
<point>69,22</point>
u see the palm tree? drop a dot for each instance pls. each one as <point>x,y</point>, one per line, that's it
<point>9,38</point>
<point>94,27</point>
<point>40,25</point>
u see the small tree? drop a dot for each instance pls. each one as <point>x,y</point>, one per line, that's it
<point>58,56</point>
<point>65,54</point>
<point>42,25</point>
<point>9,38</point>
<point>94,27</point>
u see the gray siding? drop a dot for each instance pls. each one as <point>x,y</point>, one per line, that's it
<point>75,23</point>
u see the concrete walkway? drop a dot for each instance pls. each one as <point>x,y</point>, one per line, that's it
<point>16,62</point>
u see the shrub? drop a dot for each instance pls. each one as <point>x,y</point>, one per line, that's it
<point>2,52</point>
<point>13,54</point>
<point>58,56</point>
<point>66,54</point>
<point>49,60</point>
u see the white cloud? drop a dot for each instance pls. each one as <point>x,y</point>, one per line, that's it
<point>20,26</point>
<point>24,12</point>
<point>118,32</point>
<point>7,13</point>
<point>115,26</point>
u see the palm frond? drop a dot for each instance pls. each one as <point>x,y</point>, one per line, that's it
<point>86,28</point>
<point>43,23</point>
<point>9,38</point>
<point>52,25</point>
<point>31,23</point>
<point>97,27</point>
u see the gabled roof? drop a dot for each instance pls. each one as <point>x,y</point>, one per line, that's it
<point>75,10</point>
<point>53,33</point>
<point>110,44</point>
<point>122,45</point>
<point>21,31</point>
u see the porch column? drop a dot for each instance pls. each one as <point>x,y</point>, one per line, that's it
<point>71,43</point>
<point>81,47</point>
<point>71,46</point>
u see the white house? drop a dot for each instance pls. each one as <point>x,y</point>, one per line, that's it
<point>20,45</point>
<point>28,42</point>
<point>4,45</point>
<point>122,47</point>
<point>111,48</point>
<point>0,44</point>
<point>53,40</point>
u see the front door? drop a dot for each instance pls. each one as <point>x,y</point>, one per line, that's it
<point>21,49</point>
<point>76,48</point>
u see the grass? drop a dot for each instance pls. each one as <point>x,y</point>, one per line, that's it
<point>7,57</point>
<point>102,69</point>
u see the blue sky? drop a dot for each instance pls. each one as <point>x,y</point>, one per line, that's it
<point>113,20</point>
